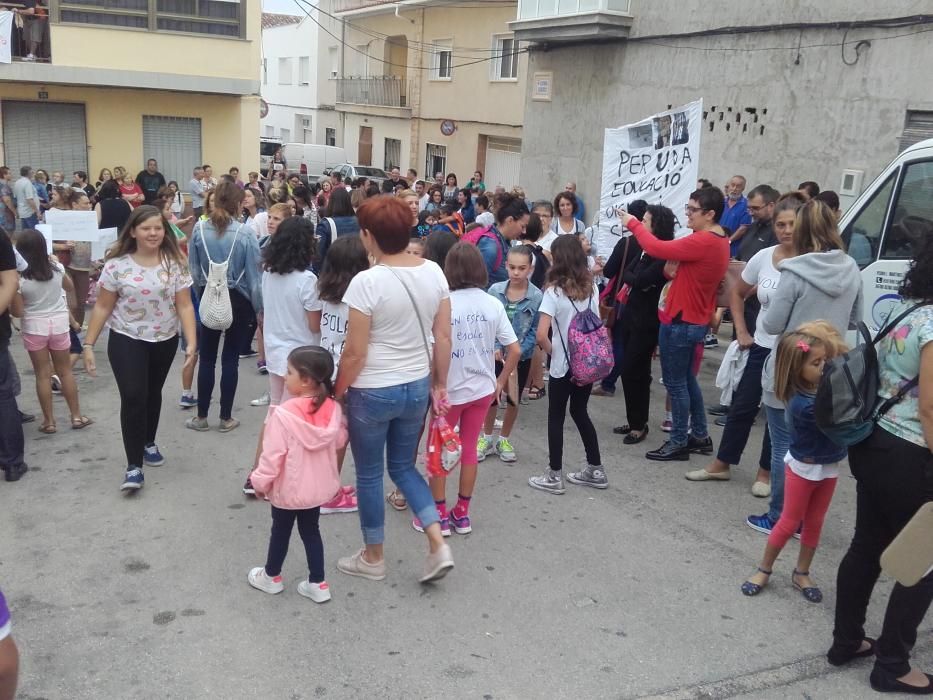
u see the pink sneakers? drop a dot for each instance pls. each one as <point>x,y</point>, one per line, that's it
<point>343,502</point>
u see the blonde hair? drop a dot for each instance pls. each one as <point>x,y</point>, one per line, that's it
<point>816,229</point>
<point>794,348</point>
<point>282,209</point>
<point>401,194</point>
<point>357,197</point>
<point>119,173</point>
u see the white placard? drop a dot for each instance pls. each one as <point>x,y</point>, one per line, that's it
<point>73,225</point>
<point>6,36</point>
<point>108,236</point>
<point>656,159</point>
<point>46,232</point>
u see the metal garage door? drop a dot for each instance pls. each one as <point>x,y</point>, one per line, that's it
<point>46,135</point>
<point>503,162</point>
<point>176,143</point>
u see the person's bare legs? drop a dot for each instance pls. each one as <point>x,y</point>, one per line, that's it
<point>42,366</point>
<point>61,359</point>
<point>187,377</point>
<point>374,553</point>
<point>81,279</point>
<point>468,479</point>
<point>9,668</point>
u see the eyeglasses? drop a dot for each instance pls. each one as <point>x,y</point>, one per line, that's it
<point>755,210</point>
<point>692,210</point>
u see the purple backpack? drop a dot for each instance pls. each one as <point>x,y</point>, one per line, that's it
<point>588,347</point>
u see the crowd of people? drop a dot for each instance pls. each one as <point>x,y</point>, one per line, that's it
<point>376,307</point>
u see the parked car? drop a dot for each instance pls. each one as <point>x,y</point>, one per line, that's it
<point>351,172</point>
<point>311,160</point>
<point>267,149</point>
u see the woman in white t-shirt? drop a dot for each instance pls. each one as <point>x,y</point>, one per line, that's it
<point>761,275</point>
<point>570,289</point>
<point>478,321</point>
<point>566,221</point>
<point>385,376</point>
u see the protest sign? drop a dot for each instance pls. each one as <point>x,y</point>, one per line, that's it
<point>6,36</point>
<point>656,159</point>
<point>73,225</point>
<point>108,236</point>
<point>46,232</point>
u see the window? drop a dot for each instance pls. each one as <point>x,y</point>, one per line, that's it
<point>221,18</point>
<point>918,126</point>
<point>285,71</point>
<point>270,133</point>
<point>505,58</point>
<point>304,70</point>
<point>441,59</point>
<point>286,135</point>
<point>265,71</point>
<point>911,213</point>
<point>436,161</point>
<point>334,61</point>
<point>330,136</point>
<point>863,234</point>
<point>393,154</point>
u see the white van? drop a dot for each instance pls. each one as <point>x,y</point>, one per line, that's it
<point>310,160</point>
<point>878,228</point>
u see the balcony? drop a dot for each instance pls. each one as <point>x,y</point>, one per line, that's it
<point>381,91</point>
<point>31,43</point>
<point>572,21</point>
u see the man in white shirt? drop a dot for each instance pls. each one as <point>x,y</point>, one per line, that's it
<point>27,202</point>
<point>196,189</point>
<point>422,195</point>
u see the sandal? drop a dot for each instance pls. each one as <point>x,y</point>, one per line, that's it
<point>750,589</point>
<point>396,500</point>
<point>79,423</point>
<point>811,593</point>
<point>537,392</point>
<point>48,428</point>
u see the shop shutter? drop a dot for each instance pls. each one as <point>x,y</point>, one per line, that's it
<point>176,143</point>
<point>503,163</point>
<point>917,127</point>
<point>46,135</point>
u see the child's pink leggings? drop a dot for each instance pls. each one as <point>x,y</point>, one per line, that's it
<point>805,502</point>
<point>470,416</point>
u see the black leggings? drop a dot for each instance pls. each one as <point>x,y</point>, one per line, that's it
<point>209,340</point>
<point>282,523</point>
<point>560,392</point>
<point>140,368</point>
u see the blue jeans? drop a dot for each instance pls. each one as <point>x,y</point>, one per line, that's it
<point>385,426</point>
<point>30,222</point>
<point>780,443</point>
<point>744,408</point>
<point>678,343</point>
<point>209,342</point>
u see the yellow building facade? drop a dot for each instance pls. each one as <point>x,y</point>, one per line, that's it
<point>433,86</point>
<point>113,87</point>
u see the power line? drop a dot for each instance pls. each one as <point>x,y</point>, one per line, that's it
<point>390,63</point>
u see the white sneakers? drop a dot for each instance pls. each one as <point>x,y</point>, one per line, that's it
<point>259,579</point>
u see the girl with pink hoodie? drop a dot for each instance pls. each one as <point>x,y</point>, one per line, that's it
<point>297,471</point>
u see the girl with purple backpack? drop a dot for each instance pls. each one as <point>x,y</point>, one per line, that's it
<point>569,291</point>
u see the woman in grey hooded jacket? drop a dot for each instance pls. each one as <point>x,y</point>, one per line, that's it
<point>821,283</point>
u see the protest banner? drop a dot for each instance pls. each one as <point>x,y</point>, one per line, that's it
<point>108,236</point>
<point>657,160</point>
<point>73,225</point>
<point>6,36</point>
<point>46,232</point>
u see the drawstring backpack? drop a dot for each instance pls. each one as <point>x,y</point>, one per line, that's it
<point>215,309</point>
<point>588,348</point>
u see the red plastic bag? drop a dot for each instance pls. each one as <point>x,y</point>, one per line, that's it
<point>443,448</point>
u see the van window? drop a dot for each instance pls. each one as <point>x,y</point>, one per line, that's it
<point>913,212</point>
<point>863,235</point>
<point>268,148</point>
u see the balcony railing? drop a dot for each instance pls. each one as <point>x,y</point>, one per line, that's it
<point>31,42</point>
<point>544,9</point>
<point>381,91</point>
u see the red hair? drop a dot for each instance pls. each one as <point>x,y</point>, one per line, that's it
<point>388,219</point>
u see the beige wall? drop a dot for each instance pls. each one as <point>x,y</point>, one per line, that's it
<point>477,105</point>
<point>114,118</point>
<point>161,52</point>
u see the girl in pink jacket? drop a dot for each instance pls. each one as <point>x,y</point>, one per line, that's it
<point>297,471</point>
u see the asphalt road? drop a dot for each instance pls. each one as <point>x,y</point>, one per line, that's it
<point>625,593</point>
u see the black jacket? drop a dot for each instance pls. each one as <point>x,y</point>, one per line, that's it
<point>646,277</point>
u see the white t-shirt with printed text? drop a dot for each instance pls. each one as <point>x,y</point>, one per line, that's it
<point>760,271</point>
<point>477,321</point>
<point>561,310</point>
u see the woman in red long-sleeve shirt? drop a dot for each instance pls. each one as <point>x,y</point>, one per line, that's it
<point>703,256</point>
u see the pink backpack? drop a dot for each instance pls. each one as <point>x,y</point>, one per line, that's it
<point>476,234</point>
<point>588,347</point>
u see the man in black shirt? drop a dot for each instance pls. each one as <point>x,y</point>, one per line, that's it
<point>760,234</point>
<point>150,180</point>
<point>11,427</point>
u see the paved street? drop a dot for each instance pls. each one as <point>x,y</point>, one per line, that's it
<point>632,592</point>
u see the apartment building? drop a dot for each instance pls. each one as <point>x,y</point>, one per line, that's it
<point>116,83</point>
<point>298,77</point>
<point>435,86</point>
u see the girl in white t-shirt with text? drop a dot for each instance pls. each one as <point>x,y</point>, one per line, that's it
<point>329,316</point>
<point>478,321</point>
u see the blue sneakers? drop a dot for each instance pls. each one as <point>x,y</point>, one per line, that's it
<point>133,480</point>
<point>152,457</point>
<point>761,523</point>
<point>187,401</point>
